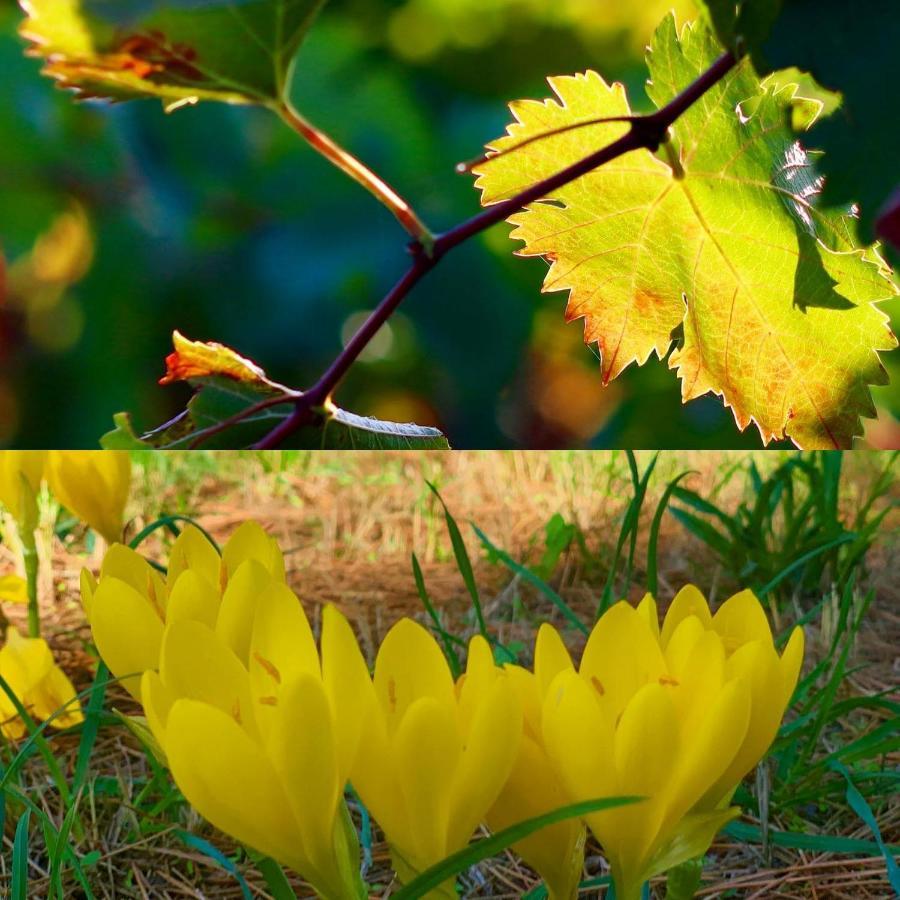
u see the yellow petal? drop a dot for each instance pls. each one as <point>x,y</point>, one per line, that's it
<point>688,602</point>
<point>20,469</point>
<point>196,664</point>
<point>193,598</point>
<point>94,485</point>
<point>697,669</point>
<point>525,684</point>
<point>282,647</point>
<point>428,749</point>
<point>491,747</point>
<point>648,611</point>
<point>127,631</point>
<point>228,779</point>
<point>708,750</point>
<point>550,657</point>
<point>250,541</point>
<point>13,589</point>
<point>579,739</point>
<point>757,665</point>
<point>192,550</point>
<point>157,701</point>
<point>55,696</point>
<point>647,744</point>
<point>556,853</point>
<point>410,665</point>
<point>621,656</point>
<point>302,748</point>
<point>347,684</point>
<point>235,622</point>
<point>790,664</point>
<point>88,586</point>
<point>740,620</point>
<point>481,672</point>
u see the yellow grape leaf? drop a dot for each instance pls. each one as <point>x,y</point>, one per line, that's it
<point>181,51</point>
<point>717,243</point>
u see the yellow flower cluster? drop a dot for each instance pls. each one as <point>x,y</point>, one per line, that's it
<point>263,731</point>
<point>27,667</point>
<point>91,484</point>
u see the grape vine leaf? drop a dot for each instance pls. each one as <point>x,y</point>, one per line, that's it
<point>723,247</point>
<point>181,51</point>
<point>227,384</point>
<point>847,47</point>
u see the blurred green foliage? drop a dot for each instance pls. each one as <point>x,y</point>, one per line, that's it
<point>218,221</point>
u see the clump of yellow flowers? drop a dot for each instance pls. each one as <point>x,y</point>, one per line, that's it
<point>94,486</point>
<point>263,730</point>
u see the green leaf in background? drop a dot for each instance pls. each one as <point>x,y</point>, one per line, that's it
<point>847,47</point>
<point>723,241</point>
<point>181,51</point>
<point>227,385</point>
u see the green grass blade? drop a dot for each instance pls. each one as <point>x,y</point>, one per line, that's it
<point>170,522</point>
<point>446,638</point>
<point>801,561</point>
<point>219,858</point>
<point>858,804</point>
<point>497,843</point>
<point>91,726</point>
<point>652,573</point>
<point>276,880</point>
<point>19,885</point>
<point>527,575</point>
<point>794,840</point>
<point>463,563</point>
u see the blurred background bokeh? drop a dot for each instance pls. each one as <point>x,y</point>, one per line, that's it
<point>120,224</point>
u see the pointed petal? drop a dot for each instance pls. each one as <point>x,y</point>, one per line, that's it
<point>648,611</point>
<point>193,599</point>
<point>347,683</point>
<point>195,664</point>
<point>740,620</point>
<point>647,744</point>
<point>757,665</point>
<point>229,780</point>
<point>428,748</point>
<point>302,748</point>
<point>556,853</point>
<point>621,656</point>
<point>250,541</point>
<point>689,601</point>
<point>790,664</point>
<point>127,631</point>
<point>491,747</point>
<point>550,657</point>
<point>235,622</point>
<point>157,701</point>
<point>410,665</point>
<point>192,550</point>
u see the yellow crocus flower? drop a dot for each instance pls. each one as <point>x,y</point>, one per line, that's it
<point>678,716</point>
<point>27,666</point>
<point>93,485</point>
<point>131,603</point>
<point>262,748</point>
<point>21,472</point>
<point>534,787</point>
<point>436,754</point>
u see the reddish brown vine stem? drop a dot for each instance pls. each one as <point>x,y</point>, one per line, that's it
<point>645,133</point>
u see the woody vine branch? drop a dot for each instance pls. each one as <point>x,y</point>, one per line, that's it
<point>647,132</point>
